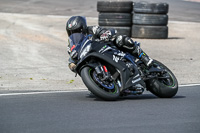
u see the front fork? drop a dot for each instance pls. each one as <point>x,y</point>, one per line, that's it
<point>102,71</point>
<point>105,75</point>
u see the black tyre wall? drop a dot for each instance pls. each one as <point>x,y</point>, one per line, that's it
<point>151,8</point>
<point>150,19</point>
<point>150,32</point>
<point>116,15</point>
<point>115,19</point>
<point>115,6</point>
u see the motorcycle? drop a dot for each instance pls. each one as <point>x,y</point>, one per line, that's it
<point>110,73</point>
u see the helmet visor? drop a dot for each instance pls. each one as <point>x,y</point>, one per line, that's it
<point>76,39</point>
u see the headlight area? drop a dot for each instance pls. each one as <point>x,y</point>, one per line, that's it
<point>85,50</point>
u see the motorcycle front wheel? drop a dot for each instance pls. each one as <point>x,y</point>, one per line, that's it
<point>108,90</point>
<point>163,88</point>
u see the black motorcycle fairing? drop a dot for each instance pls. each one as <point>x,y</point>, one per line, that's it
<point>109,56</point>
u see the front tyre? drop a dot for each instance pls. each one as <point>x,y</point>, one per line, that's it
<point>163,88</point>
<point>90,79</point>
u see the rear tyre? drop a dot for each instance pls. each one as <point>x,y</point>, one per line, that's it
<point>163,88</point>
<point>87,75</point>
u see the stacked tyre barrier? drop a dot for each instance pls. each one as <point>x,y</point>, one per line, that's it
<point>135,19</point>
<point>150,20</point>
<point>117,15</point>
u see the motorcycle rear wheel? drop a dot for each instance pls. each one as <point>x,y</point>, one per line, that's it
<point>161,87</point>
<point>96,88</point>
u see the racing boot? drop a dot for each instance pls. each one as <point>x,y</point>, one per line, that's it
<point>145,59</point>
<point>139,53</point>
<point>125,43</point>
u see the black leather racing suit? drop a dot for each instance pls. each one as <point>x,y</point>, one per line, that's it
<point>123,42</point>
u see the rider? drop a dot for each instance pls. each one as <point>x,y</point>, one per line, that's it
<point>77,24</point>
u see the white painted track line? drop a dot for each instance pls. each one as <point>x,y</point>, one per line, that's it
<point>53,92</point>
<point>189,85</point>
<point>44,92</point>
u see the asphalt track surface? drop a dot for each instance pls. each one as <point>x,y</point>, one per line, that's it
<point>75,112</point>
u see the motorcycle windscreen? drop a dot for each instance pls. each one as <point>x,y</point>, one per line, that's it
<point>75,40</point>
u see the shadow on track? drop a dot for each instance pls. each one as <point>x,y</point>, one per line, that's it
<point>134,97</point>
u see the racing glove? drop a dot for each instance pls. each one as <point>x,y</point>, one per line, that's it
<point>108,35</point>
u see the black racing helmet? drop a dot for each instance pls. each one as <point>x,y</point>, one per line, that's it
<point>76,24</point>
